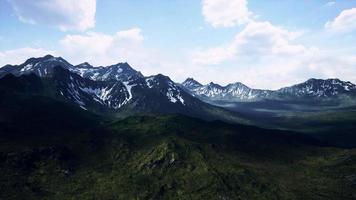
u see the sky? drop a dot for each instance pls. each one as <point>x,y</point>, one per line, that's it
<point>263,44</point>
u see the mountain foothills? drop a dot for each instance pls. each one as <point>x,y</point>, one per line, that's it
<point>84,132</point>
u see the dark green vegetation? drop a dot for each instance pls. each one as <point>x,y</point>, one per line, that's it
<point>52,150</point>
<point>328,121</point>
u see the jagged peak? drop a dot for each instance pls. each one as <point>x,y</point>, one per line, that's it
<point>160,77</point>
<point>327,81</point>
<point>191,82</point>
<point>212,84</point>
<point>189,79</point>
<point>237,84</point>
<point>48,56</point>
<point>45,58</point>
<point>85,64</point>
<point>123,65</point>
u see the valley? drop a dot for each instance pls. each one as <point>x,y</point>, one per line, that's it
<point>77,132</point>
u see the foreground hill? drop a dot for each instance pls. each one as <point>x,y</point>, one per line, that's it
<point>56,150</point>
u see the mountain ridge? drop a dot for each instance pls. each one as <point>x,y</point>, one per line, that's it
<point>312,89</point>
<point>238,92</point>
<point>119,91</point>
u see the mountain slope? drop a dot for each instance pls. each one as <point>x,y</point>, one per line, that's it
<point>24,109</point>
<point>170,157</point>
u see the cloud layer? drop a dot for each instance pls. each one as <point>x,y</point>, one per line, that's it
<point>225,13</point>
<point>63,14</point>
<point>260,54</point>
<point>264,55</point>
<point>256,39</point>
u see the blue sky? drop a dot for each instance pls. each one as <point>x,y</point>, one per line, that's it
<point>264,44</point>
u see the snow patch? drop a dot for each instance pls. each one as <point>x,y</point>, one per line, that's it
<point>149,82</point>
<point>128,88</point>
<point>103,94</point>
<point>27,68</point>
<point>174,98</point>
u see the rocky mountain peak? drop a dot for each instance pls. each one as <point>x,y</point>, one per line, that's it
<point>190,83</point>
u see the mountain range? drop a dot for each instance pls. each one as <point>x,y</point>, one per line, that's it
<point>121,90</point>
<point>115,90</point>
<point>116,85</point>
<point>312,89</point>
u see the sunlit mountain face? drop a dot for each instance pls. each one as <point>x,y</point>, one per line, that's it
<point>203,99</point>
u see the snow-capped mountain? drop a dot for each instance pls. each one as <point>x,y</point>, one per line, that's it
<point>191,84</point>
<point>43,66</point>
<point>121,89</point>
<point>139,94</point>
<point>166,86</point>
<point>319,88</point>
<point>119,72</point>
<point>231,92</point>
<point>238,92</point>
<point>86,93</point>
<point>115,89</point>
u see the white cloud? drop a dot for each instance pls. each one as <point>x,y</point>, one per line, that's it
<point>225,13</point>
<point>93,47</point>
<point>104,49</point>
<point>265,38</point>
<point>330,3</point>
<point>132,35</point>
<point>344,22</point>
<point>63,14</point>
<point>17,56</point>
<point>257,38</point>
<point>90,43</point>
